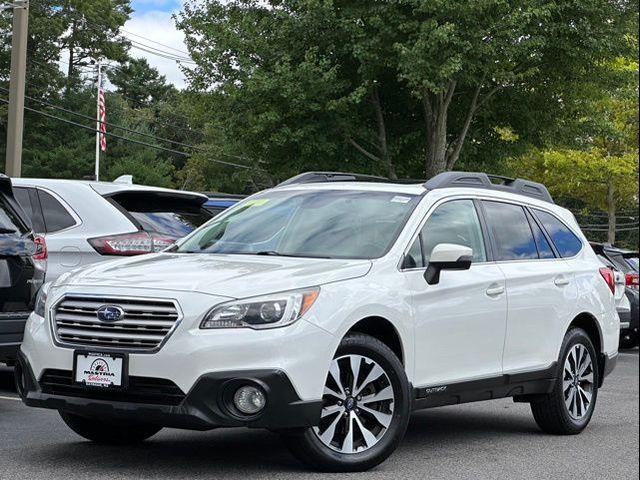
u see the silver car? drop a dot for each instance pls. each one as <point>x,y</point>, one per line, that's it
<point>85,222</point>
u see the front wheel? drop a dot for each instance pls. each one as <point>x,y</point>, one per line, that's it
<point>114,431</point>
<point>568,409</point>
<point>366,408</point>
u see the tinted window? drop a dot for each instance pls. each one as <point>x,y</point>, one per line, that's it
<point>454,222</point>
<point>544,249</point>
<point>511,231</point>
<point>28,200</point>
<point>56,217</point>
<point>174,224</point>
<point>564,239</point>
<point>174,216</point>
<point>10,222</point>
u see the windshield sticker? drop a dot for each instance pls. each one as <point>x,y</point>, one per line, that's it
<point>258,202</point>
<point>400,199</point>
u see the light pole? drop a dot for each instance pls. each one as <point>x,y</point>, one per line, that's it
<point>13,164</point>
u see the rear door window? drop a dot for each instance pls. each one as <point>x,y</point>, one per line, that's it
<point>544,249</point>
<point>511,231</point>
<point>566,242</point>
<point>170,216</point>
<point>56,216</point>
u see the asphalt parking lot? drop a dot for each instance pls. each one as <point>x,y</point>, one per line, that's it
<point>496,439</point>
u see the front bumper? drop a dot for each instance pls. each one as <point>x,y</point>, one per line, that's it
<point>206,406</point>
<point>11,334</point>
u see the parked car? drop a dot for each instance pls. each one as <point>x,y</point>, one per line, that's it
<point>328,312</point>
<point>22,269</point>
<point>629,319</point>
<point>218,202</point>
<point>86,222</point>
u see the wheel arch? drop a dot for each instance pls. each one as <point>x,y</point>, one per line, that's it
<point>590,325</point>
<point>383,330</point>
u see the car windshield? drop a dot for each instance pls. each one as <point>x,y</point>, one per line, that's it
<point>307,223</point>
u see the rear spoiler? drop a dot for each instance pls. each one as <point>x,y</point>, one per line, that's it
<point>162,198</point>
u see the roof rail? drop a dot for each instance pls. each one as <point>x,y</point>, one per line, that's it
<point>323,177</point>
<point>489,182</point>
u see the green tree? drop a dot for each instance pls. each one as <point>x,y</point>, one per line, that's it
<point>93,32</point>
<point>387,85</point>
<point>593,156</point>
<point>139,83</point>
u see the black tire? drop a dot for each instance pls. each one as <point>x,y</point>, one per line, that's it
<point>551,412</point>
<point>628,340</point>
<point>113,431</point>
<point>310,450</point>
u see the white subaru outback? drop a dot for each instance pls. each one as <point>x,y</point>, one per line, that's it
<point>328,309</point>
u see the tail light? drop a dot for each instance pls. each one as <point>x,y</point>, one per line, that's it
<point>129,244</point>
<point>631,280</point>
<point>609,278</point>
<point>41,248</point>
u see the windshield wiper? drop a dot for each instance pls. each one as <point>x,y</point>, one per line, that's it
<point>271,253</point>
<point>7,230</point>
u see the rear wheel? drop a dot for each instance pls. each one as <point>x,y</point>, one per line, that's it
<point>366,409</point>
<point>568,409</point>
<point>111,431</point>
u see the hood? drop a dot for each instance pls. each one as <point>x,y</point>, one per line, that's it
<point>233,276</point>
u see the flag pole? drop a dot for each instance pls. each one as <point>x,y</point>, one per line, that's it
<point>97,172</point>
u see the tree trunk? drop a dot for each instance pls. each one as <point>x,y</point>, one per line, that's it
<point>382,135</point>
<point>442,156</point>
<point>71,66</point>
<point>435,114</point>
<point>611,213</point>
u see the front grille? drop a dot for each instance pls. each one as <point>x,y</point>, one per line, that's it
<point>145,324</point>
<point>156,391</point>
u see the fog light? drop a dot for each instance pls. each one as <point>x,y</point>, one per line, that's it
<point>249,399</point>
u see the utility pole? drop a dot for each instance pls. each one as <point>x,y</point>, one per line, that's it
<point>98,123</point>
<point>13,164</point>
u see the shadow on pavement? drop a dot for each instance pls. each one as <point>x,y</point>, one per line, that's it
<point>229,451</point>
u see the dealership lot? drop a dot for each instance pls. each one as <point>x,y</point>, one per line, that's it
<point>497,439</point>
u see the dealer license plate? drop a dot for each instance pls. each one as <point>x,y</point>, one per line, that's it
<point>96,369</point>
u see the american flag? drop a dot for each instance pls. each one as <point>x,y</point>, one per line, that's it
<point>102,113</point>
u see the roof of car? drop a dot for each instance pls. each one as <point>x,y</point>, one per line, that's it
<point>103,188</point>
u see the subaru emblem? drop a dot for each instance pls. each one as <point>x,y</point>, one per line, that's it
<point>110,313</point>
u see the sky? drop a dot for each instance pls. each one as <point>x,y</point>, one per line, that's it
<point>152,20</point>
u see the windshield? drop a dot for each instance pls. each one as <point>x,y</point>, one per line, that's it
<point>316,223</point>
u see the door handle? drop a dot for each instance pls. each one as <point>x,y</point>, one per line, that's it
<point>561,281</point>
<point>495,290</point>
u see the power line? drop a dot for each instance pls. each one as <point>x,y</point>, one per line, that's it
<point>153,41</point>
<point>168,56</point>
<point>151,47</point>
<point>117,127</point>
<point>64,120</point>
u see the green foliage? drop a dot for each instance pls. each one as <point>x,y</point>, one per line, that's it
<point>140,84</point>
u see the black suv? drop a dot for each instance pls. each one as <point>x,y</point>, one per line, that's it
<point>21,273</point>
<point>616,258</point>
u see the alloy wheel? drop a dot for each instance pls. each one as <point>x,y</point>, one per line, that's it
<point>577,382</point>
<point>358,404</point>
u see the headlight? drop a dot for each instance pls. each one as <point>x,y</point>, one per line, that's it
<point>41,299</point>
<point>270,311</point>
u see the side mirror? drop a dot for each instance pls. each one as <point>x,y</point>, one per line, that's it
<point>447,256</point>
